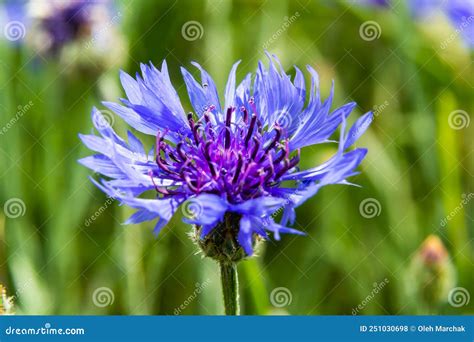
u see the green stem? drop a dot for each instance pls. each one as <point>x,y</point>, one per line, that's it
<point>230,289</point>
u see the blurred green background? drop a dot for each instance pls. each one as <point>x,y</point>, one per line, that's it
<point>417,177</point>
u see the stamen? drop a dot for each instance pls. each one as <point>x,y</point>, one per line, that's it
<point>162,164</point>
<point>179,148</point>
<point>227,125</point>
<point>162,191</point>
<point>207,118</point>
<point>158,143</point>
<point>189,183</point>
<point>284,153</point>
<point>172,156</point>
<point>222,158</point>
<point>259,126</point>
<point>271,168</point>
<point>190,117</point>
<point>208,158</point>
<point>289,164</point>
<point>276,138</point>
<point>295,160</point>
<point>246,114</point>
<point>238,169</point>
<point>250,131</point>
<point>255,148</point>
<point>195,133</point>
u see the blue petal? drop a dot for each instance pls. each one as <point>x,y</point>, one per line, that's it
<point>204,210</point>
<point>135,144</point>
<point>277,229</point>
<point>345,168</point>
<point>196,93</point>
<point>245,235</point>
<point>230,87</point>
<point>359,127</point>
<point>103,165</point>
<point>242,93</point>
<point>131,87</point>
<point>300,84</point>
<point>209,88</point>
<point>159,83</point>
<point>141,216</point>
<point>260,206</point>
<point>159,226</point>
<point>134,119</point>
<point>164,208</point>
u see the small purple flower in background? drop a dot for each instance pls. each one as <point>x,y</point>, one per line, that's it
<point>51,24</point>
<point>62,24</point>
<point>459,12</point>
<point>230,167</point>
<point>66,22</point>
<point>383,3</point>
<point>78,33</point>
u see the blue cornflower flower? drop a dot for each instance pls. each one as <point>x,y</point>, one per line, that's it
<point>231,165</point>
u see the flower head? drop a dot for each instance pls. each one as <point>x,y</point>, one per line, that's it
<point>431,273</point>
<point>235,162</point>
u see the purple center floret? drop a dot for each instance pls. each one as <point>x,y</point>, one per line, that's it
<point>237,157</point>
